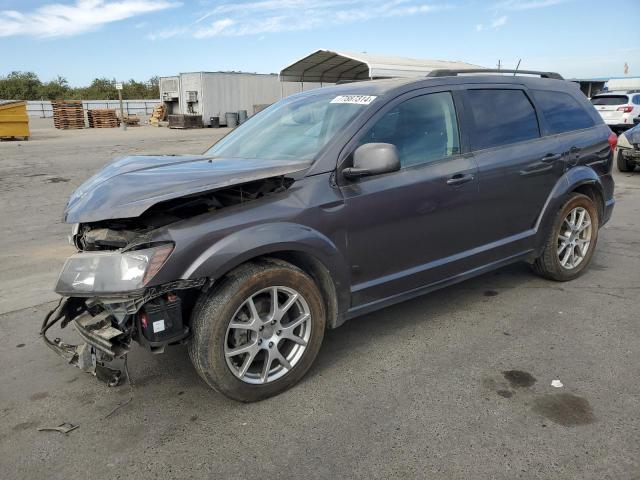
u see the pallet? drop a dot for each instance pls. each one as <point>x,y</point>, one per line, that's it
<point>158,115</point>
<point>68,114</point>
<point>102,118</point>
<point>132,120</point>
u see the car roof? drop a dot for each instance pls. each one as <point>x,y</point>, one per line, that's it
<point>612,94</point>
<point>399,85</point>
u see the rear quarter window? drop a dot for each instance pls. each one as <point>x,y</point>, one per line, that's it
<point>610,100</point>
<point>501,117</point>
<point>562,112</point>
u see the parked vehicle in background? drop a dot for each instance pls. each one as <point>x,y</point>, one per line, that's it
<point>327,205</point>
<point>627,152</point>
<point>618,109</point>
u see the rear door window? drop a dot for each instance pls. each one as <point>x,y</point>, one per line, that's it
<point>610,100</point>
<point>636,100</point>
<point>501,117</point>
<point>423,129</point>
<point>562,112</point>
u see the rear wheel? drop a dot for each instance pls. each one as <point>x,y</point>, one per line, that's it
<point>259,332</point>
<point>571,241</point>
<point>623,164</point>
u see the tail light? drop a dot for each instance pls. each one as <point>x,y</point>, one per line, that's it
<point>613,141</point>
<point>625,109</point>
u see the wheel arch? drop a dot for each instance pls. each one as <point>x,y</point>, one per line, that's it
<point>577,180</point>
<point>321,276</point>
<point>298,245</point>
<point>591,190</point>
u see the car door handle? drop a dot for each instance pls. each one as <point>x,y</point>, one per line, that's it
<point>551,157</point>
<point>460,178</point>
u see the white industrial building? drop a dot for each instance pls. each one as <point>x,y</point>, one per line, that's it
<point>213,94</point>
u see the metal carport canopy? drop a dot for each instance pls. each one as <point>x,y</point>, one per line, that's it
<point>331,67</point>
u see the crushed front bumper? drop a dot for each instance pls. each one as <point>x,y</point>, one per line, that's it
<point>629,154</point>
<point>108,326</point>
<point>103,343</point>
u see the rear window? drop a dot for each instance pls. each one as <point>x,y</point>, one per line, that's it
<point>562,112</point>
<point>501,117</point>
<point>610,100</point>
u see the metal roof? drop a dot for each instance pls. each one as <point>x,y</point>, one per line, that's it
<point>331,67</point>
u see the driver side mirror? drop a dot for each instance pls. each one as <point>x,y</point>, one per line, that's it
<point>373,159</point>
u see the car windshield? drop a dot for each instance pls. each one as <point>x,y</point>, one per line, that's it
<point>610,100</point>
<point>297,128</point>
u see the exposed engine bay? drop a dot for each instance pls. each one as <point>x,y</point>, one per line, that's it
<point>120,233</point>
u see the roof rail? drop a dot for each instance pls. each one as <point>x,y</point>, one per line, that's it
<point>453,73</point>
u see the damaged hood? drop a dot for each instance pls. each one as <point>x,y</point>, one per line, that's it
<point>128,186</point>
<point>633,135</point>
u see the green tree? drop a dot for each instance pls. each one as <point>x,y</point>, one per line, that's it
<point>20,86</point>
<point>154,87</point>
<point>27,86</point>
<point>133,89</point>
<point>55,89</point>
<point>100,89</point>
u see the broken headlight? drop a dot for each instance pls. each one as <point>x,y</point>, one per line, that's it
<point>623,142</point>
<point>91,273</point>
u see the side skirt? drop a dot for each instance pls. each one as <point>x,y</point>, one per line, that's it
<point>416,292</point>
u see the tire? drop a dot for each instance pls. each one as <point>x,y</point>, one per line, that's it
<point>209,346</point>
<point>549,265</point>
<point>623,164</point>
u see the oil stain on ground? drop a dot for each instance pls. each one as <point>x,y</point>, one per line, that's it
<point>518,378</point>
<point>505,393</point>
<point>564,409</point>
<point>57,180</point>
<point>490,293</point>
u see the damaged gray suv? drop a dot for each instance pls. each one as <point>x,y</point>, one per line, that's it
<point>327,205</point>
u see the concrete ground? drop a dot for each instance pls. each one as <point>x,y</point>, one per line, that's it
<point>456,384</point>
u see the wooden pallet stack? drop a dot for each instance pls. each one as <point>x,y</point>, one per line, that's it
<point>68,114</point>
<point>102,118</point>
<point>158,115</point>
<point>132,120</point>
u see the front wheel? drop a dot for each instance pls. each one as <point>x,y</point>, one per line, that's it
<point>258,333</point>
<point>571,241</point>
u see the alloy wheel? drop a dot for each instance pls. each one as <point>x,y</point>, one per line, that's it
<point>268,335</point>
<point>574,238</point>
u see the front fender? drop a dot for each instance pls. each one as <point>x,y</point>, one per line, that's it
<point>243,245</point>
<point>567,183</point>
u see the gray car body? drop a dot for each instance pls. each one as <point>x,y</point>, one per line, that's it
<point>377,240</point>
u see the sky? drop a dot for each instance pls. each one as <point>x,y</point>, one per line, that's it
<point>123,39</point>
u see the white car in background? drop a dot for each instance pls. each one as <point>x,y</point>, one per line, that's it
<point>618,109</point>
